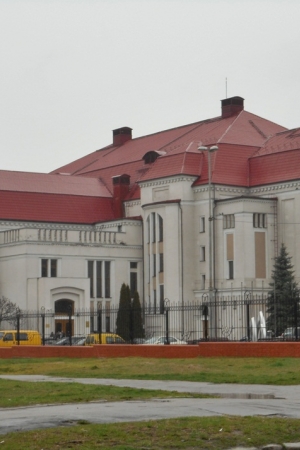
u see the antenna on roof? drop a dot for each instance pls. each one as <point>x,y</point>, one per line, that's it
<point>226,86</point>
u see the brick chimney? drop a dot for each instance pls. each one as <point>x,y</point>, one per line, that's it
<point>232,106</point>
<point>121,135</point>
<point>121,184</point>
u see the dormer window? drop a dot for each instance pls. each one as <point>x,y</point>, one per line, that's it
<point>152,155</point>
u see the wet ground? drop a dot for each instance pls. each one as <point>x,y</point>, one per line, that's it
<point>233,399</point>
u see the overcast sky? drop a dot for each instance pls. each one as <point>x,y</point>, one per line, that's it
<point>74,70</point>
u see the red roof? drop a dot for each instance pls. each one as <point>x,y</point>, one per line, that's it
<point>41,207</point>
<point>245,132</point>
<point>54,184</point>
<point>252,151</point>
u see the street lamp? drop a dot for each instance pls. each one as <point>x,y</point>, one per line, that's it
<point>210,150</point>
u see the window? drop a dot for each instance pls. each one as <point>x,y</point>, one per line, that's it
<point>49,268</point>
<point>161,262</point>
<point>100,278</point>
<point>230,270</point>
<point>160,228</point>
<point>133,277</point>
<point>133,283</point>
<point>202,224</point>
<point>153,228</point>
<point>154,300</point>
<point>202,253</point>
<point>228,221</point>
<point>203,281</point>
<point>161,299</point>
<point>44,267</point>
<point>259,220</point>
<point>154,265</point>
<point>107,278</point>
<point>53,268</point>
<point>91,277</point>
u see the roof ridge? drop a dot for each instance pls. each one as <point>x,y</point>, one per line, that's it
<point>229,127</point>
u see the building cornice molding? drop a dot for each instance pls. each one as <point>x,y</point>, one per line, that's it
<point>70,227</point>
<point>294,185</point>
<point>164,181</point>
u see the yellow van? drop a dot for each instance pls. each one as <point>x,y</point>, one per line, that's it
<point>106,338</point>
<point>8,338</point>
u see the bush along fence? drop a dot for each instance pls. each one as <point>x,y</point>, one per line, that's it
<point>245,318</point>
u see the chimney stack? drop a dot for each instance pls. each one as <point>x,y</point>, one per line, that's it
<point>121,135</point>
<point>232,106</point>
<point>121,184</point>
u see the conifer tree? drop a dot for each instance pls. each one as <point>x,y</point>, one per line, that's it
<point>282,304</point>
<point>137,318</point>
<point>124,313</point>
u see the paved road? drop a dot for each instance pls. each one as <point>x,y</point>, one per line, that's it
<point>242,400</point>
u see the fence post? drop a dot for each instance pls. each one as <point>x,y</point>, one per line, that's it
<point>247,299</point>
<point>166,304</point>
<point>131,323</point>
<point>43,324</point>
<point>70,324</point>
<point>99,324</point>
<point>18,328</point>
<point>296,316</point>
<point>205,313</point>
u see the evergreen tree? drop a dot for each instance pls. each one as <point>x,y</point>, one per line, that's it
<point>124,313</point>
<point>282,301</point>
<point>137,318</point>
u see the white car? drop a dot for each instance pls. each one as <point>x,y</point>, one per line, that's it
<point>161,340</point>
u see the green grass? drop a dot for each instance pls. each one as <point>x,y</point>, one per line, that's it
<point>23,393</point>
<point>278,371</point>
<point>187,433</point>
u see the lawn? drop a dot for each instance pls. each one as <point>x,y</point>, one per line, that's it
<point>278,371</point>
<point>182,433</point>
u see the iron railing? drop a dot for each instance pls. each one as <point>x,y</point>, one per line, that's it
<point>246,318</point>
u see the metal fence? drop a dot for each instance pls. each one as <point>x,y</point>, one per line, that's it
<point>244,318</point>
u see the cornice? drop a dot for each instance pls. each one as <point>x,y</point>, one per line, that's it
<point>294,185</point>
<point>165,181</point>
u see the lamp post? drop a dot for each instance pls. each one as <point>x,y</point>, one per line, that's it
<point>210,150</point>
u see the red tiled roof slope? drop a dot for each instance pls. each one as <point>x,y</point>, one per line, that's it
<point>54,184</point>
<point>275,168</point>
<point>41,207</point>
<point>244,130</point>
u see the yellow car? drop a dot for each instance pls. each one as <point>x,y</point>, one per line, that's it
<point>105,338</point>
<point>8,338</point>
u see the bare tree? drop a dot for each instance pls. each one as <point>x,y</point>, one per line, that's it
<point>8,310</point>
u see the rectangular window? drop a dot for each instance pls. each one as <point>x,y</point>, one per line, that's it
<point>133,283</point>
<point>228,221</point>
<point>203,282</point>
<point>153,228</point>
<point>99,279</point>
<point>91,277</point>
<point>53,268</point>
<point>259,220</point>
<point>161,228</point>
<point>44,267</point>
<point>154,265</point>
<point>202,253</point>
<point>230,270</point>
<point>260,254</point>
<point>202,224</point>
<point>161,262</point>
<point>107,278</point>
<point>161,298</point>
<point>154,300</point>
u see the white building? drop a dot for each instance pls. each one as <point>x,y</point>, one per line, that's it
<point>138,211</point>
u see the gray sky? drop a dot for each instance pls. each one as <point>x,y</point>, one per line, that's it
<point>74,70</point>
